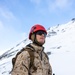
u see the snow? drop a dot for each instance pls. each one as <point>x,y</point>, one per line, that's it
<point>61,46</point>
<point>63,63</point>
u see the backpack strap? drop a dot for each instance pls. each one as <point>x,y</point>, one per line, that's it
<point>31,53</point>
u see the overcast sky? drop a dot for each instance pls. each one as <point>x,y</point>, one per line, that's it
<point>18,16</point>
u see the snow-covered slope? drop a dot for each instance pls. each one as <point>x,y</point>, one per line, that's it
<point>62,47</point>
<point>60,43</point>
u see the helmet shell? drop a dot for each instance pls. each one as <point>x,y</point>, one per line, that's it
<point>36,28</point>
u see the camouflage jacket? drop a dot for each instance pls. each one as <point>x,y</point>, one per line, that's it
<point>41,62</point>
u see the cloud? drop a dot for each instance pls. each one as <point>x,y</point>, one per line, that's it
<point>5,13</point>
<point>37,2</point>
<point>9,37</point>
<point>60,4</point>
<point>48,6</point>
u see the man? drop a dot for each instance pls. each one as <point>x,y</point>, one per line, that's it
<point>33,60</point>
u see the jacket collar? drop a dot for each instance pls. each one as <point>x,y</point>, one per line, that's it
<point>37,48</point>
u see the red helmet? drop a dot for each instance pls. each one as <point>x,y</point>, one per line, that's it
<point>36,28</point>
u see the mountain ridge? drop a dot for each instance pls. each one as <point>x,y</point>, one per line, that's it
<point>59,44</point>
